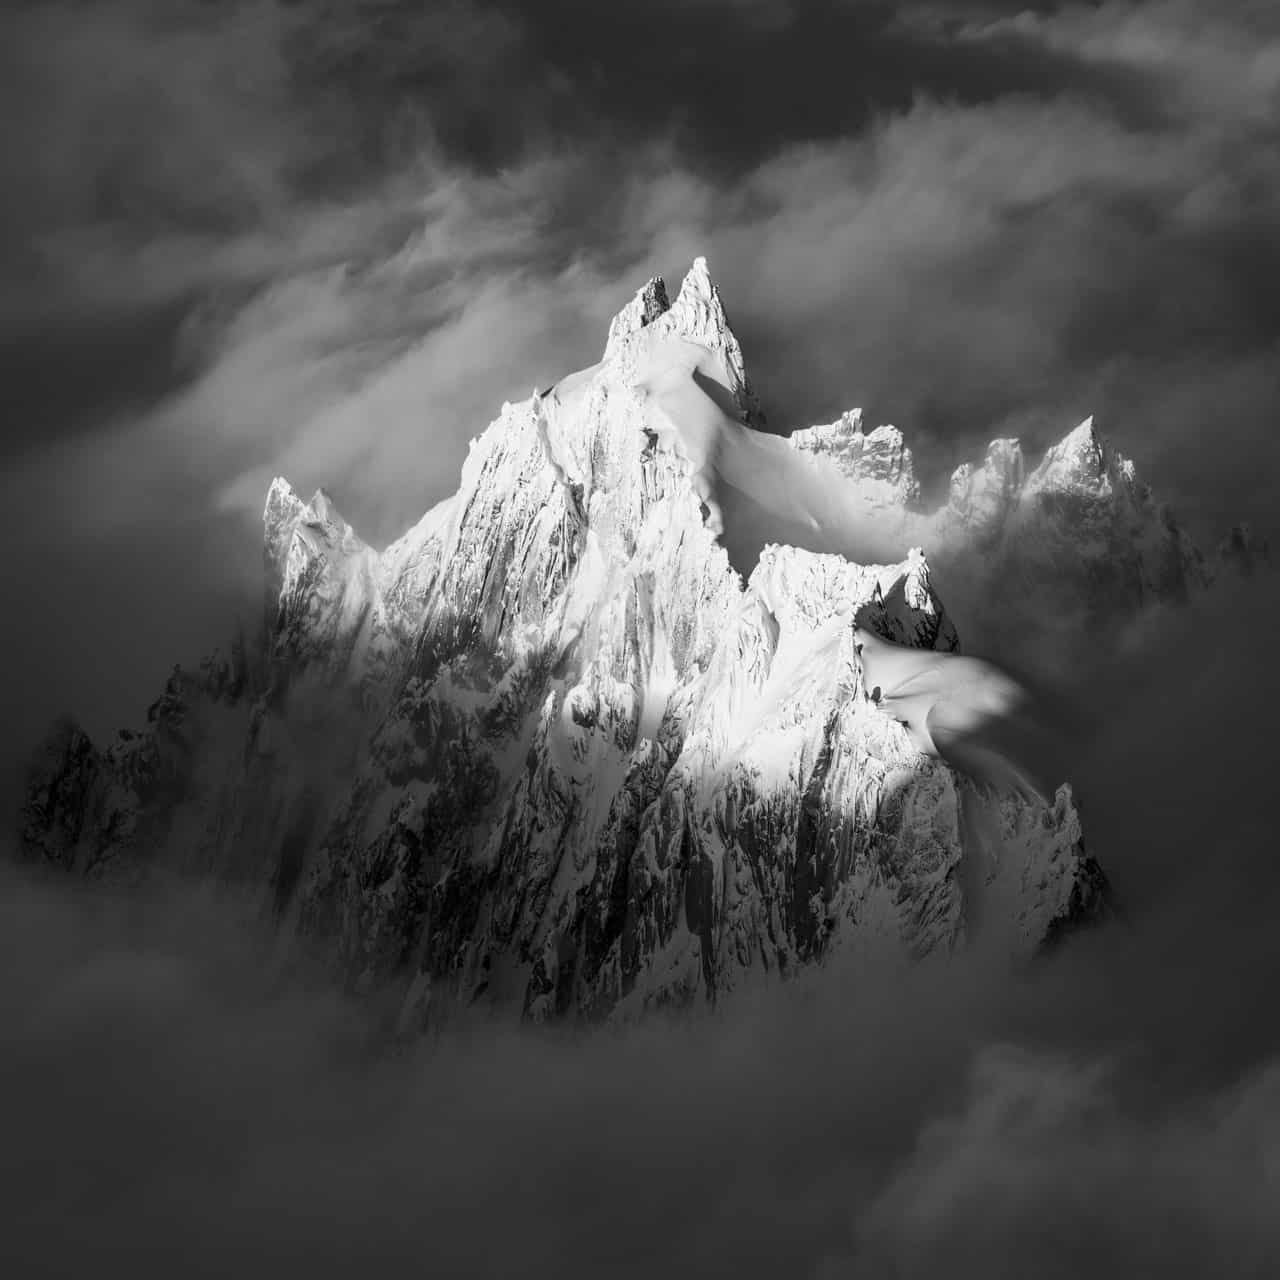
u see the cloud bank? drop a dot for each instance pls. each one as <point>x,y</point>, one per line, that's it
<point>308,238</point>
<point>173,1097</point>
<point>304,239</point>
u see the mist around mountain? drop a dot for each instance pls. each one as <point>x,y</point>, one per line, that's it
<point>324,241</point>
<point>216,1099</point>
<point>1113,1107</point>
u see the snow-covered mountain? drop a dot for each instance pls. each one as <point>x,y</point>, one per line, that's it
<point>1080,526</point>
<point>558,751</point>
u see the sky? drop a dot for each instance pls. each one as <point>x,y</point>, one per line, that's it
<point>327,239</point>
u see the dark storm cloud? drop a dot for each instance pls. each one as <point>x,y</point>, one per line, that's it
<point>155,154</point>
<point>1009,265</point>
<point>328,240</point>
<point>193,197</point>
<point>732,80</point>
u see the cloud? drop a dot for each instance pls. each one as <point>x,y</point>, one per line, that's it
<point>141,138</point>
<point>310,241</point>
<point>376,366</point>
<point>761,15</point>
<point>1043,1170</point>
<point>160,155</point>
<point>943,265</point>
<point>315,240</point>
<point>1221,64</point>
<point>166,1100</point>
<point>178,1090</point>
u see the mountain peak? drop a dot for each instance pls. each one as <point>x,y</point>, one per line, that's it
<point>983,496</point>
<point>1082,462</point>
<point>282,505</point>
<point>650,301</point>
<point>284,512</point>
<point>699,305</point>
<point>280,516</point>
<point>698,315</point>
<point>1085,442</point>
<point>698,281</point>
<point>879,460</point>
<point>323,511</point>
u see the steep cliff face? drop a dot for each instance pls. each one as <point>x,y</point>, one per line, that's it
<point>550,752</point>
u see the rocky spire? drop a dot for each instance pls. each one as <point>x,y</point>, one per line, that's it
<point>879,461</point>
<point>1082,463</point>
<point>280,518</point>
<point>698,314</point>
<point>983,496</point>
<point>648,304</point>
